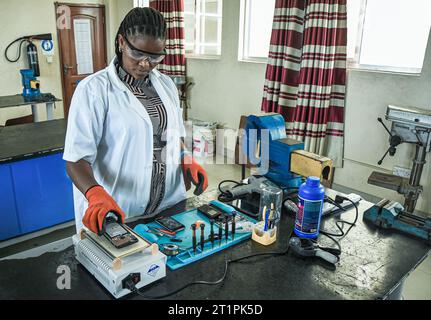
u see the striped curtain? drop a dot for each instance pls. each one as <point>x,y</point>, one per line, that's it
<point>306,73</point>
<point>174,63</point>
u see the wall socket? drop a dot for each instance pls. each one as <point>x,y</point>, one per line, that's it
<point>402,172</point>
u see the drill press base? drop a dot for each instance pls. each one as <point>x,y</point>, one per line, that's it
<point>387,181</point>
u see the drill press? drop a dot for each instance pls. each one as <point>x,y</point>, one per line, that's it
<point>409,125</point>
<point>413,126</point>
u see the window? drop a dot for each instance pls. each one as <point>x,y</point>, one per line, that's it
<point>141,3</point>
<point>203,22</point>
<point>255,29</point>
<point>388,35</point>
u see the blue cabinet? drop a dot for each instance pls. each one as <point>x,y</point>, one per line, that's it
<point>9,225</point>
<point>42,193</point>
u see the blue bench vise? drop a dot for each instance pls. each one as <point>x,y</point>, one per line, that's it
<point>31,86</point>
<point>267,146</point>
<point>388,214</point>
<point>280,159</point>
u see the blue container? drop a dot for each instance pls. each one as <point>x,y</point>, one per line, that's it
<point>311,197</point>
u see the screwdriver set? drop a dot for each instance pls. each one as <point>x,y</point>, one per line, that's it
<point>202,235</point>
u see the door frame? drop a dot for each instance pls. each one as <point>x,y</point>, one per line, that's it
<point>81,5</point>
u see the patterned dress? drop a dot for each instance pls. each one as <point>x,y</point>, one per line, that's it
<point>147,95</point>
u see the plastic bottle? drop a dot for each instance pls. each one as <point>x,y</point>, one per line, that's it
<point>311,197</point>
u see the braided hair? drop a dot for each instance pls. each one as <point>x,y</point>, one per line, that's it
<point>141,21</point>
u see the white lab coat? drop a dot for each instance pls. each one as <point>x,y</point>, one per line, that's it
<point>110,129</point>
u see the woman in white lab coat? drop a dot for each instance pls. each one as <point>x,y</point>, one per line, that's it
<point>123,144</point>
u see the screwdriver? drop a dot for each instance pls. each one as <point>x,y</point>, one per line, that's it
<point>233,224</point>
<point>194,237</point>
<point>226,229</point>
<point>212,233</point>
<point>220,232</point>
<point>202,237</point>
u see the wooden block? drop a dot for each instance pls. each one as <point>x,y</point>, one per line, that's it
<point>154,249</point>
<point>82,234</point>
<point>308,164</point>
<point>117,264</point>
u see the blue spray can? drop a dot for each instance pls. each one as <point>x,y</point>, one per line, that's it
<point>311,197</point>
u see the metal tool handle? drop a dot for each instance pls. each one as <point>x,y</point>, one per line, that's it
<point>329,257</point>
<point>394,142</point>
<point>384,126</point>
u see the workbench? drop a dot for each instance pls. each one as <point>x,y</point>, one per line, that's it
<point>373,265</point>
<point>18,100</point>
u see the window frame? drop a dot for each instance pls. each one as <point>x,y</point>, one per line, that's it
<point>141,3</point>
<point>244,35</point>
<point>199,31</point>
<point>353,64</point>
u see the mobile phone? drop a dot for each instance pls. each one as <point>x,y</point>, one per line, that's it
<point>118,235</point>
<point>210,211</point>
<point>170,224</point>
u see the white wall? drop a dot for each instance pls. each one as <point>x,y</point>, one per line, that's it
<point>368,95</point>
<point>226,88</point>
<point>26,17</point>
<point>116,10</point>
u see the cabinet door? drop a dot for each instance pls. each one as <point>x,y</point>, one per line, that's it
<point>43,190</point>
<point>9,225</point>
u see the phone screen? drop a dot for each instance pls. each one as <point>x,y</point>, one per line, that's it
<point>118,235</point>
<point>170,224</point>
<point>114,230</point>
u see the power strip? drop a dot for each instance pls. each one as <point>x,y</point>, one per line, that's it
<point>329,208</point>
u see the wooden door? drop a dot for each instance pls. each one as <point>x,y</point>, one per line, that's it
<point>82,44</point>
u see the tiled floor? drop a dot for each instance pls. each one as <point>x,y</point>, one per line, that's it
<point>417,286</point>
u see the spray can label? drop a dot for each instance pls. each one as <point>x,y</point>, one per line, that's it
<point>308,216</point>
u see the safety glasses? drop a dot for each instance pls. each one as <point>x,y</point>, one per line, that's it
<point>139,55</point>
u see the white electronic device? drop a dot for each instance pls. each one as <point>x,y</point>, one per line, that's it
<point>409,116</point>
<point>329,208</point>
<point>143,263</point>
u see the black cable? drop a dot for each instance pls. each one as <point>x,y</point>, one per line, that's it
<point>135,290</point>
<point>228,262</point>
<point>323,233</point>
<point>343,234</point>
<point>356,217</point>
<point>22,39</point>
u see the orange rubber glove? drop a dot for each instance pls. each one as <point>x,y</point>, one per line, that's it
<point>100,203</point>
<point>194,173</point>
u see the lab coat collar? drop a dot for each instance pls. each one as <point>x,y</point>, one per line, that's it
<point>116,81</point>
<point>133,102</point>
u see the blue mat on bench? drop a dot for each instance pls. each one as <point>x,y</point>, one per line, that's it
<point>186,255</point>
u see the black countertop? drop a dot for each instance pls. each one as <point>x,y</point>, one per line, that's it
<point>373,263</point>
<point>28,140</point>
<point>18,100</point>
